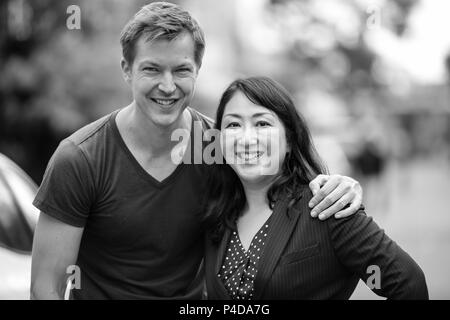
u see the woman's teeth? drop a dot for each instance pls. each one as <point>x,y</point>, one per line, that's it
<point>248,156</point>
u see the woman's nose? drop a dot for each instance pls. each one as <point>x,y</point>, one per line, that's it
<point>248,137</point>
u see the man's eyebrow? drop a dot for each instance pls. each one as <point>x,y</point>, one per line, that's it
<point>153,63</point>
<point>149,62</point>
<point>185,64</point>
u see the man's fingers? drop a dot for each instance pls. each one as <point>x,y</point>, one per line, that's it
<point>318,202</point>
<point>330,200</point>
<point>318,182</point>
<point>337,206</point>
<point>354,206</point>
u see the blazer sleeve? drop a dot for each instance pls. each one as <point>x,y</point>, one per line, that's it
<point>363,247</point>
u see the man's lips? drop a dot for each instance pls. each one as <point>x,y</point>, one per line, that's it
<point>164,102</point>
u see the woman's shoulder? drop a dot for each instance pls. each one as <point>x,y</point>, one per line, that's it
<point>331,224</point>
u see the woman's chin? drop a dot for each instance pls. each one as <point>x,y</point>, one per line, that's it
<point>253,175</point>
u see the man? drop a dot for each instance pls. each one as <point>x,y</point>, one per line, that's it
<point>113,202</point>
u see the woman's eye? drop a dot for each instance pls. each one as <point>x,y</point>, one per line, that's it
<point>232,125</point>
<point>262,124</point>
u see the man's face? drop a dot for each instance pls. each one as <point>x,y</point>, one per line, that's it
<point>162,77</point>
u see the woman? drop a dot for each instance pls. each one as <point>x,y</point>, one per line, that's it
<point>262,242</point>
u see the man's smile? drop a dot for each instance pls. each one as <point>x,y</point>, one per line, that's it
<point>164,102</point>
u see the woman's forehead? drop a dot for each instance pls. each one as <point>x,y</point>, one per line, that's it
<point>240,105</point>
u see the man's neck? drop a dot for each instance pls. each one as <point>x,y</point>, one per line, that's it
<point>147,135</point>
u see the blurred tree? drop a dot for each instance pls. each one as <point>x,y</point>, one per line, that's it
<point>53,79</point>
<point>26,28</point>
<point>319,50</point>
<point>326,40</point>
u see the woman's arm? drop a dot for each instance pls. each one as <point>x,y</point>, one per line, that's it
<point>363,247</point>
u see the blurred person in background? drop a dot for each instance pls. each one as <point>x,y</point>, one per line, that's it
<point>370,159</point>
<point>262,242</point>
<point>112,200</point>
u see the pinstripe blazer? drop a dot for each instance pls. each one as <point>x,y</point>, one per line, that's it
<point>305,258</point>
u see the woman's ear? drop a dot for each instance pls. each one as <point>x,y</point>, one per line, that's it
<point>288,153</point>
<point>288,145</point>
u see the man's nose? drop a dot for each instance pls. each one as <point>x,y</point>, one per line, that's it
<point>167,85</point>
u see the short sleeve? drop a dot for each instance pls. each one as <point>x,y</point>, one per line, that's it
<point>67,190</point>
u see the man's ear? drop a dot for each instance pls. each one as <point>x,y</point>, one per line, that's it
<point>126,70</point>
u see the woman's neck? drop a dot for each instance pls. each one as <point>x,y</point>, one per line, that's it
<point>256,195</point>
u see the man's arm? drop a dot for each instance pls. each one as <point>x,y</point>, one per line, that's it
<point>336,195</point>
<point>55,247</point>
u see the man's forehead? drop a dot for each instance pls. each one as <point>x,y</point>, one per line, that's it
<point>161,50</point>
<point>184,38</point>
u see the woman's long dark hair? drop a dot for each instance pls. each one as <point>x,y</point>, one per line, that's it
<point>225,199</point>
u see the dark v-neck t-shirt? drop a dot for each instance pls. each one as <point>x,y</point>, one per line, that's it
<point>142,238</point>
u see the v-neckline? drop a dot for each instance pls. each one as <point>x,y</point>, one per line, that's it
<point>254,236</point>
<point>140,170</point>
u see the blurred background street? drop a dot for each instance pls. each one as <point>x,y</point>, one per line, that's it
<point>417,217</point>
<point>372,79</point>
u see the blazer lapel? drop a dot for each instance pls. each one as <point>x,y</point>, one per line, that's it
<point>281,227</point>
<point>216,281</point>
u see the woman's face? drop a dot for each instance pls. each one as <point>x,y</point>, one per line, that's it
<point>253,140</point>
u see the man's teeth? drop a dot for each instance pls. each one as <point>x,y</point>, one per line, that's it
<point>247,156</point>
<point>164,102</point>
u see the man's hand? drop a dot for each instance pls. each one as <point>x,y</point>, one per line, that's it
<point>336,195</point>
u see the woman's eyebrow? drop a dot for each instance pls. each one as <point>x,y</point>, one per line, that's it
<point>232,115</point>
<point>262,114</point>
<point>253,116</point>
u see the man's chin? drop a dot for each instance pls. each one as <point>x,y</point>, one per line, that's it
<point>168,120</point>
<point>164,116</point>
<point>165,120</point>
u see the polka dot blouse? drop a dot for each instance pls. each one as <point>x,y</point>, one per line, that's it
<point>239,267</point>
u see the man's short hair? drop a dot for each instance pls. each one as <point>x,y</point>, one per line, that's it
<point>161,20</point>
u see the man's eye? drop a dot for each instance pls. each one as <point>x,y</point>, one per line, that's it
<point>184,71</point>
<point>232,125</point>
<point>150,69</point>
